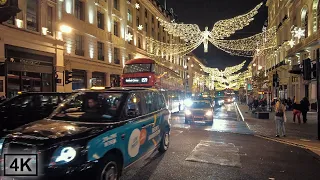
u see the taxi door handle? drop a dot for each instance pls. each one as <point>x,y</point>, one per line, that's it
<point>123,136</point>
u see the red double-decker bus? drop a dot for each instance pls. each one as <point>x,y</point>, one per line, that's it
<point>146,72</point>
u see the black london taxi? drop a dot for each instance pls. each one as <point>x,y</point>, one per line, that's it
<point>95,134</point>
<point>27,107</point>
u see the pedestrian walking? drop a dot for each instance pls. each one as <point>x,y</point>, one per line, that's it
<point>280,119</point>
<point>305,104</point>
<point>296,111</point>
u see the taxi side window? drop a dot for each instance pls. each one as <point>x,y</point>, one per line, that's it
<point>161,101</point>
<point>151,102</point>
<point>22,101</point>
<point>134,107</point>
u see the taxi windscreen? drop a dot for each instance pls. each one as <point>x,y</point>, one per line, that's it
<point>200,105</point>
<point>91,107</point>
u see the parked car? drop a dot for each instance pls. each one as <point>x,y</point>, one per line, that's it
<point>28,107</point>
<point>96,134</point>
<point>199,111</point>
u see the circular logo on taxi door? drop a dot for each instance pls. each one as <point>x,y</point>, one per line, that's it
<point>134,143</point>
<point>143,136</point>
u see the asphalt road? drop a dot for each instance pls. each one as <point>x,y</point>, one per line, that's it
<point>225,150</point>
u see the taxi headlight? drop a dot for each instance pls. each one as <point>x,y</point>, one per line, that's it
<point>63,155</point>
<point>188,112</point>
<point>209,113</point>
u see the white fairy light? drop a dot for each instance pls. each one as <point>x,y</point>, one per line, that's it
<point>291,43</point>
<point>298,33</point>
<point>128,37</point>
<point>137,6</point>
<point>140,27</point>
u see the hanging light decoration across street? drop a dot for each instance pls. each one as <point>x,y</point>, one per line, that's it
<point>194,37</point>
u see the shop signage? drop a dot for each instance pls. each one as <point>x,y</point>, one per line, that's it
<point>142,80</point>
<point>29,62</point>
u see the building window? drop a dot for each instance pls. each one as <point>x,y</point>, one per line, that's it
<point>304,20</point>
<point>152,32</point>
<point>49,19</point>
<point>146,13</point>
<point>152,19</point>
<point>79,45</point>
<point>130,32</point>
<point>139,42</point>
<point>79,79</point>
<point>116,4</point>
<point>129,16</point>
<point>116,54</point>
<point>158,24</point>
<point>100,47</point>
<point>79,10</point>
<point>115,28</point>
<point>146,27</point>
<point>32,15</point>
<point>159,37</point>
<point>100,19</point>
<point>138,21</point>
<point>98,79</point>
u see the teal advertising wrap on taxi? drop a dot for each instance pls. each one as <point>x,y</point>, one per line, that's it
<point>133,139</point>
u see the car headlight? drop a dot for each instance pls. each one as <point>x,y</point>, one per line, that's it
<point>209,113</point>
<point>188,112</point>
<point>229,100</point>
<point>188,102</point>
<point>63,155</point>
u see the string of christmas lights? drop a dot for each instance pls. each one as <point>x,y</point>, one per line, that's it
<point>250,45</point>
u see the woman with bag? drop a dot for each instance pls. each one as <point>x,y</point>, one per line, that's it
<point>280,118</point>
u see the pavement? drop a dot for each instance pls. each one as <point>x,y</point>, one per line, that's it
<point>228,149</point>
<point>302,135</point>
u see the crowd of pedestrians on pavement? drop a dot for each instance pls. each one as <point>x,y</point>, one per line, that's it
<point>280,106</point>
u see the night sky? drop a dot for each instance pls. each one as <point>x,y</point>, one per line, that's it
<point>207,12</point>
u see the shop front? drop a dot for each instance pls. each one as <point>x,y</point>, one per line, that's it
<point>27,70</point>
<point>98,79</point>
<point>114,80</point>
<point>79,79</point>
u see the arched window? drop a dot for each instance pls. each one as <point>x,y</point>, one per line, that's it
<point>304,20</point>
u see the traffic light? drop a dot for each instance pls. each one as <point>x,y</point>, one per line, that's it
<point>307,69</point>
<point>314,71</point>
<point>8,8</point>
<point>67,77</point>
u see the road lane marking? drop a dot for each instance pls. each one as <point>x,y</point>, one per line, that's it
<point>238,109</point>
<point>289,143</point>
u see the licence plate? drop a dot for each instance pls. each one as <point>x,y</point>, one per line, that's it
<point>198,117</point>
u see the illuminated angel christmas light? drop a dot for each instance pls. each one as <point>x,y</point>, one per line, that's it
<point>193,37</point>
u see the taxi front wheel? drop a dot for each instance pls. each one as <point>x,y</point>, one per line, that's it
<point>109,168</point>
<point>165,141</point>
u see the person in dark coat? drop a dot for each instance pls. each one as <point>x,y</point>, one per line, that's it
<point>305,104</point>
